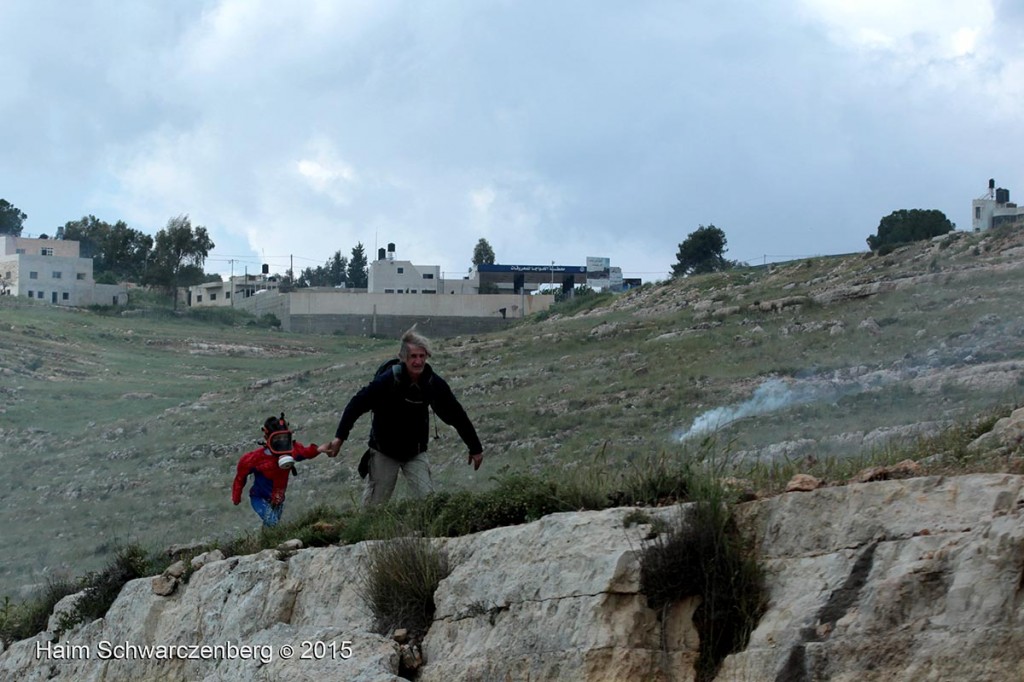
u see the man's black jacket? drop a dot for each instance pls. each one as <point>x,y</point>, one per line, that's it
<point>401,420</point>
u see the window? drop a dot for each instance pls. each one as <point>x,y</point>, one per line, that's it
<point>19,251</point>
<point>199,298</point>
<point>33,275</point>
<point>56,274</point>
<point>401,270</point>
<point>7,275</point>
<point>227,294</point>
<point>389,291</point>
<point>429,291</point>
<point>428,275</point>
<point>64,296</point>
<point>39,294</point>
<point>80,276</point>
<point>213,297</point>
<point>29,294</point>
<point>47,251</point>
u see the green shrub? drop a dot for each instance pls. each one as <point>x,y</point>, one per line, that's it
<point>269,320</point>
<point>226,316</point>
<point>399,583</point>
<point>515,499</point>
<point>704,556</point>
<point>656,479</point>
<point>101,588</point>
<point>24,620</point>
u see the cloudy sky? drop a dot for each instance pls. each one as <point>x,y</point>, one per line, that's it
<point>555,129</point>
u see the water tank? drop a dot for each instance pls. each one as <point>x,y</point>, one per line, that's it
<point>991,183</point>
<point>380,253</point>
<point>1002,195</point>
<point>391,251</point>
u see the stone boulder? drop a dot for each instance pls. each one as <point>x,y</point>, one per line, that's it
<point>911,579</point>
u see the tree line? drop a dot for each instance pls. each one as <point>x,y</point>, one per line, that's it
<point>173,258</point>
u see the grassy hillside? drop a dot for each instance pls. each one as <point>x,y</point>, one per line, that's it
<point>127,428</point>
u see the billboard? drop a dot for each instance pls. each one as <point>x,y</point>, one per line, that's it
<point>568,269</point>
<point>598,273</point>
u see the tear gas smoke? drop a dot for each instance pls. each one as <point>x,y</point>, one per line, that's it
<point>771,396</point>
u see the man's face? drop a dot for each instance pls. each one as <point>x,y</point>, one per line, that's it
<point>414,361</point>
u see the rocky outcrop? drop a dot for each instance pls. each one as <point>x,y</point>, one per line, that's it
<point>913,579</point>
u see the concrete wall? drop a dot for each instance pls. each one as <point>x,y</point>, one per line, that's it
<point>325,312</point>
<point>392,326</point>
<point>306,302</point>
<point>266,303</point>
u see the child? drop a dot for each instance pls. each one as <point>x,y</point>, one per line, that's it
<point>271,465</point>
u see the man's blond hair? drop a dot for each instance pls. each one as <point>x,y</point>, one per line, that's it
<point>413,338</point>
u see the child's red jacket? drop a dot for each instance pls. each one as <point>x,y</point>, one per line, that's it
<point>270,480</point>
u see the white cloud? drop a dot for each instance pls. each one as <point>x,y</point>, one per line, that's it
<point>327,174</point>
<point>895,23</point>
<point>558,131</point>
<point>482,199</point>
<point>964,41</point>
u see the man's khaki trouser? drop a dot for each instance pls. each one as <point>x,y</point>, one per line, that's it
<point>380,482</point>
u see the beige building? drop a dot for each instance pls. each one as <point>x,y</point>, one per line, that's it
<point>399,294</point>
<point>388,275</point>
<point>225,294</point>
<point>52,270</point>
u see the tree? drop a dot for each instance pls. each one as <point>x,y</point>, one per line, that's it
<point>357,277</point>
<point>337,270</point>
<point>483,253</point>
<point>903,226</point>
<point>701,252</point>
<point>178,255</point>
<point>11,219</point>
<point>118,251</point>
<point>333,273</point>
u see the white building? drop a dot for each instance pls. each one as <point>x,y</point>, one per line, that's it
<point>994,208</point>
<point>388,275</point>
<point>51,270</point>
<point>224,294</point>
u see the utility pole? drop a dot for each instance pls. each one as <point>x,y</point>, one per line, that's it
<point>231,282</point>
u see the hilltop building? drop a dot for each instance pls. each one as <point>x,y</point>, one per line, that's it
<point>388,275</point>
<point>225,294</point>
<point>401,293</point>
<point>517,279</point>
<point>994,208</point>
<point>52,270</point>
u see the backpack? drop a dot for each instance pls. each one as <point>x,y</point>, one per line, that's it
<point>394,364</point>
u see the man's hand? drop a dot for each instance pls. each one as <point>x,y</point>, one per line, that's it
<point>334,447</point>
<point>476,460</point>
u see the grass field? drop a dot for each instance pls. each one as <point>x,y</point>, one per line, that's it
<point>126,428</point>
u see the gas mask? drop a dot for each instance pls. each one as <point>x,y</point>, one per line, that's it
<point>278,439</point>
